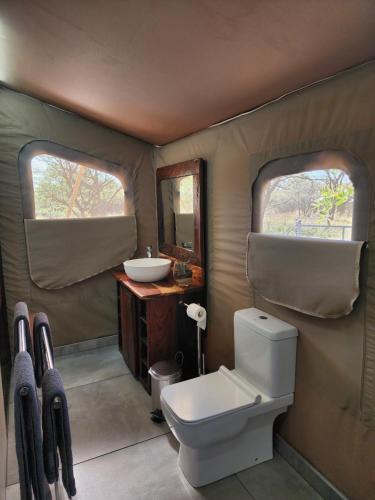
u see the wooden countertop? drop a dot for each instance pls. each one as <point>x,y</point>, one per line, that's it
<point>161,288</point>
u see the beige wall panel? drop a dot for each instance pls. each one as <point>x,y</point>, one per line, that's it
<point>325,422</point>
<point>145,201</point>
<point>3,443</point>
<point>334,440</point>
<point>88,309</point>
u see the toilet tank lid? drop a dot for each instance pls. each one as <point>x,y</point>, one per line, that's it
<point>265,324</point>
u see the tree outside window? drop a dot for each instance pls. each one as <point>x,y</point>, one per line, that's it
<point>65,189</point>
<point>317,203</point>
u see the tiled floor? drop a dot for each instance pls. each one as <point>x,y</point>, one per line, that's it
<point>119,454</point>
<point>91,366</point>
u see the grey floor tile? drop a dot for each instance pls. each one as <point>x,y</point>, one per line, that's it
<point>105,416</point>
<point>147,471</point>
<point>308,471</point>
<point>91,366</point>
<point>110,415</point>
<point>76,369</point>
<point>13,492</point>
<point>276,480</point>
<point>87,367</point>
<point>86,345</point>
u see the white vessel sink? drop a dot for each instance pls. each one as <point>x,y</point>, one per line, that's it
<point>147,270</point>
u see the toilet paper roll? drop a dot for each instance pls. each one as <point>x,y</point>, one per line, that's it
<point>197,313</point>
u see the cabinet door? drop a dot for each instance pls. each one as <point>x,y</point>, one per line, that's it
<point>129,342</point>
<point>161,324</point>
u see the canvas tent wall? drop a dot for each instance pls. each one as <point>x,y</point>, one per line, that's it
<point>87,309</point>
<point>331,422</point>
<point>3,441</point>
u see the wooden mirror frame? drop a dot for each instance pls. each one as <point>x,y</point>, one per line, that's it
<point>195,168</point>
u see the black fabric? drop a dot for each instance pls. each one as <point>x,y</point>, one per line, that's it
<point>21,312</point>
<point>41,319</point>
<point>56,432</point>
<point>28,431</point>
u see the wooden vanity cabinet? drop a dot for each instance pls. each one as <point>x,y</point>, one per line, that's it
<point>153,326</point>
<point>128,329</point>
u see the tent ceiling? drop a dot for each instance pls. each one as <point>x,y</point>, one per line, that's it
<point>161,69</point>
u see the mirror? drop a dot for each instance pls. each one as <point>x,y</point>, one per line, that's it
<point>178,211</point>
<point>180,219</point>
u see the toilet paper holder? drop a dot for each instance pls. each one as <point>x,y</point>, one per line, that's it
<point>201,357</point>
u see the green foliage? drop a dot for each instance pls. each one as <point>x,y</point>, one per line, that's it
<point>319,198</point>
<point>332,198</point>
<point>99,194</point>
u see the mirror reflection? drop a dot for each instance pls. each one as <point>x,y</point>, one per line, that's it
<point>177,200</point>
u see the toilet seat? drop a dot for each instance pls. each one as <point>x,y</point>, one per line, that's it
<point>197,400</point>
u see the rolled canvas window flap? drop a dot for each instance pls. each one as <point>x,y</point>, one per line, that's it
<point>313,276</point>
<point>65,251</point>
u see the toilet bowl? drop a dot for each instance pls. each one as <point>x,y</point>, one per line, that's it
<point>224,420</point>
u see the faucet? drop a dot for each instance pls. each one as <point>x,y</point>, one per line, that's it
<point>149,251</point>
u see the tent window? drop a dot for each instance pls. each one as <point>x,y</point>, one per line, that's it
<point>68,189</point>
<point>312,195</point>
<point>317,204</point>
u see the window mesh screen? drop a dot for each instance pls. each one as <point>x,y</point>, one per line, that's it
<point>65,189</point>
<point>316,203</point>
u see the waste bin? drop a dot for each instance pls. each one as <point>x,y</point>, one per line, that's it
<point>163,373</point>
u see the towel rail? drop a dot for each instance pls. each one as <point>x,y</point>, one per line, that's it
<point>57,401</point>
<point>47,349</point>
<point>49,359</point>
<point>47,363</point>
<point>21,336</point>
<point>22,347</point>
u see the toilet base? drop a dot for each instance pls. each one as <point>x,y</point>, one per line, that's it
<point>248,448</point>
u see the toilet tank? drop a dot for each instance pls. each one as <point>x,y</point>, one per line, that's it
<point>265,351</point>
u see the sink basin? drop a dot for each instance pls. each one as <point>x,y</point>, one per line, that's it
<point>147,270</point>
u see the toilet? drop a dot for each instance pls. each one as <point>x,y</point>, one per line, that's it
<point>224,420</point>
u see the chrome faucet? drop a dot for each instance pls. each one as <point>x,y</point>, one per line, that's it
<point>149,251</point>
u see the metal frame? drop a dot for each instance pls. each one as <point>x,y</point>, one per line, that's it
<point>22,347</point>
<point>21,336</point>
<point>201,357</point>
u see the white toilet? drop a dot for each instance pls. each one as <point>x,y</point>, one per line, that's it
<point>224,420</point>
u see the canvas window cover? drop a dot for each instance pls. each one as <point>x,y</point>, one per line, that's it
<point>305,274</point>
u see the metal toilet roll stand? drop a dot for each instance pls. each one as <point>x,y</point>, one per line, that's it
<point>201,357</point>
